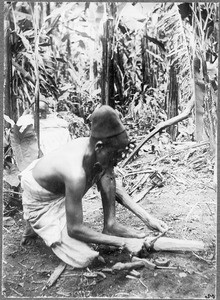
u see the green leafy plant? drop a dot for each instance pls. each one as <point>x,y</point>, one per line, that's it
<point>24,145</point>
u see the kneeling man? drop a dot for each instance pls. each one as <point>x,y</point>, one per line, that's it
<point>54,185</point>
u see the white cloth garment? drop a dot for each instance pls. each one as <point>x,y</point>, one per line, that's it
<point>46,213</point>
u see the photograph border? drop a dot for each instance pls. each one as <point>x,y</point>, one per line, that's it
<point>2,128</point>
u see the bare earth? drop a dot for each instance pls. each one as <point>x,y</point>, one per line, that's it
<point>187,203</point>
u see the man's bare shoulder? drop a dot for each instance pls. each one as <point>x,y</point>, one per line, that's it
<point>65,161</point>
<point>74,148</point>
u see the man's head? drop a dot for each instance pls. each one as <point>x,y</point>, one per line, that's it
<point>105,123</point>
<point>109,135</point>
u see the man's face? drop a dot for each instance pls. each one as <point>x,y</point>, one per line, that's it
<point>109,153</point>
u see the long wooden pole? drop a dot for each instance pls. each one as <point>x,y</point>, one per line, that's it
<point>9,98</point>
<point>35,16</point>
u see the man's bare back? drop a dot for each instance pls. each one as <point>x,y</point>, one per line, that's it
<point>67,162</point>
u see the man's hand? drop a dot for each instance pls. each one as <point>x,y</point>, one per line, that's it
<point>158,224</point>
<point>134,246</point>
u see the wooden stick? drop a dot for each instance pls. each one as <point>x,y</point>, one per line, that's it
<point>184,115</point>
<point>179,151</point>
<point>128,266</point>
<point>199,257</point>
<point>148,264</point>
<point>143,284</point>
<point>19,294</point>
<point>140,182</point>
<point>142,194</point>
<point>166,268</point>
<point>169,244</point>
<point>55,275</point>
<point>152,242</point>
<point>138,172</point>
<point>160,159</point>
<point>10,191</point>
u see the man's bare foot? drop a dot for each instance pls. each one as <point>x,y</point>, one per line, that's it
<point>29,236</point>
<point>118,229</point>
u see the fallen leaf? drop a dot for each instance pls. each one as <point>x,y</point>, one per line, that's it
<point>21,284</point>
<point>8,221</point>
<point>182,274</point>
<point>101,259</point>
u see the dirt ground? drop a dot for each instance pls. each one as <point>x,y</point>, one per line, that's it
<point>186,202</point>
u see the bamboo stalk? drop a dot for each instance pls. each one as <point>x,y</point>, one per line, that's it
<point>36,68</point>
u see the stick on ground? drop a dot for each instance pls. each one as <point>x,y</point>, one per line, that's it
<point>55,275</point>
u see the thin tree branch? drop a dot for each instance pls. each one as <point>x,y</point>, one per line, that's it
<point>184,115</point>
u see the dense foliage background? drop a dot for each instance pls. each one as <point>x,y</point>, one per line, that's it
<point>147,60</point>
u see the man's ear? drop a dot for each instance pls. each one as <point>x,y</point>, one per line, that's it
<point>98,146</point>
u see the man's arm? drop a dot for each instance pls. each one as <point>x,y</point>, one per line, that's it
<point>107,188</point>
<point>76,229</point>
<point>123,198</point>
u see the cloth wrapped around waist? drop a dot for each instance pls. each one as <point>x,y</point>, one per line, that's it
<point>44,210</point>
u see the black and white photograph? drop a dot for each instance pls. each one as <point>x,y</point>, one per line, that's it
<point>109,167</point>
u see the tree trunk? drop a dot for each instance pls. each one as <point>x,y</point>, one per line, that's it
<point>104,78</point>
<point>35,14</point>
<point>172,101</point>
<point>199,100</point>
<point>9,100</point>
<point>210,112</point>
<point>48,10</point>
<point>145,62</point>
<point>107,84</point>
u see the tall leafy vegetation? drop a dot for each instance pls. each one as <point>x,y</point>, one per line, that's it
<point>205,22</point>
<point>161,54</point>
<point>57,51</point>
<point>50,43</point>
<point>30,59</point>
